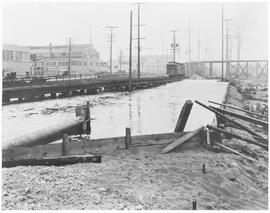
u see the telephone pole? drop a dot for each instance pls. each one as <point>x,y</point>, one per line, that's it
<point>130,54</point>
<point>222,41</point>
<point>238,47</point>
<point>111,41</point>
<point>189,30</point>
<point>174,44</point>
<point>139,38</point>
<point>120,60</point>
<point>69,56</point>
<point>227,38</point>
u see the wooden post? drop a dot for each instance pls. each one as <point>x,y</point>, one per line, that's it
<point>65,150</point>
<point>128,138</point>
<point>88,118</point>
<point>194,204</point>
<point>130,55</point>
<point>183,116</point>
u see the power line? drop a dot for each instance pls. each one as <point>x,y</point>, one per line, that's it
<point>70,16</point>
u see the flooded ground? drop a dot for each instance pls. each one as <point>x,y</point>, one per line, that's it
<point>153,110</point>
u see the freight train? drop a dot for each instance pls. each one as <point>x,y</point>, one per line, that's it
<point>175,69</point>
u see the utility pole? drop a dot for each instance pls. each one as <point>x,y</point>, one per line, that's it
<point>206,50</point>
<point>120,60</point>
<point>222,41</point>
<point>238,47</point>
<point>189,30</point>
<point>139,38</point>
<point>199,46</point>
<point>69,56</point>
<point>227,45</point>
<point>227,38</point>
<point>111,41</point>
<point>174,44</point>
<point>130,55</point>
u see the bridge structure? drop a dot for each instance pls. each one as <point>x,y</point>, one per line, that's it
<point>233,69</point>
<point>60,89</point>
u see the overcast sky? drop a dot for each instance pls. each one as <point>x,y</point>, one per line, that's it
<point>43,22</point>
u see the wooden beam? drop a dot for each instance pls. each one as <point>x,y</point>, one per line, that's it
<point>249,130</point>
<point>181,140</point>
<point>53,161</point>
<point>235,152</point>
<point>93,146</point>
<point>183,116</point>
<point>246,139</point>
<point>242,110</point>
<point>242,117</point>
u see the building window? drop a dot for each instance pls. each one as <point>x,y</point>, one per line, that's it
<point>7,55</point>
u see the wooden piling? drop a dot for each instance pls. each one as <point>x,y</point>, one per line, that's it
<point>183,116</point>
<point>65,147</point>
<point>128,138</point>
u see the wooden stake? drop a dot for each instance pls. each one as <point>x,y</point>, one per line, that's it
<point>183,116</point>
<point>128,138</point>
<point>88,118</point>
<point>65,150</point>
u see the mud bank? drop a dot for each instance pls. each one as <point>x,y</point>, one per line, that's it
<point>144,179</point>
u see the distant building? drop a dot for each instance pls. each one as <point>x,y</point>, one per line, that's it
<point>15,59</point>
<point>150,64</point>
<point>54,60</point>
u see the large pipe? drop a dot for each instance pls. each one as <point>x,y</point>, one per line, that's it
<point>46,135</point>
<point>53,133</point>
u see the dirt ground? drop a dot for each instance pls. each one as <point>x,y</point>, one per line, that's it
<point>144,178</point>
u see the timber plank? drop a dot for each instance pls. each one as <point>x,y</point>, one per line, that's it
<point>181,140</point>
<point>60,161</point>
<point>93,146</point>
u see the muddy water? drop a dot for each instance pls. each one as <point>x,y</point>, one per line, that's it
<point>153,110</point>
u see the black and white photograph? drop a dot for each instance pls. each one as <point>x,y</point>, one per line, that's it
<point>134,105</point>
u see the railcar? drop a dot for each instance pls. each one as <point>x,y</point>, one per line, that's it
<point>175,69</point>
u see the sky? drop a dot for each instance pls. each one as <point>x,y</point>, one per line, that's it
<point>41,23</point>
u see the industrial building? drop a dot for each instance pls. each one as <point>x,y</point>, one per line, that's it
<point>15,59</point>
<point>64,59</point>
